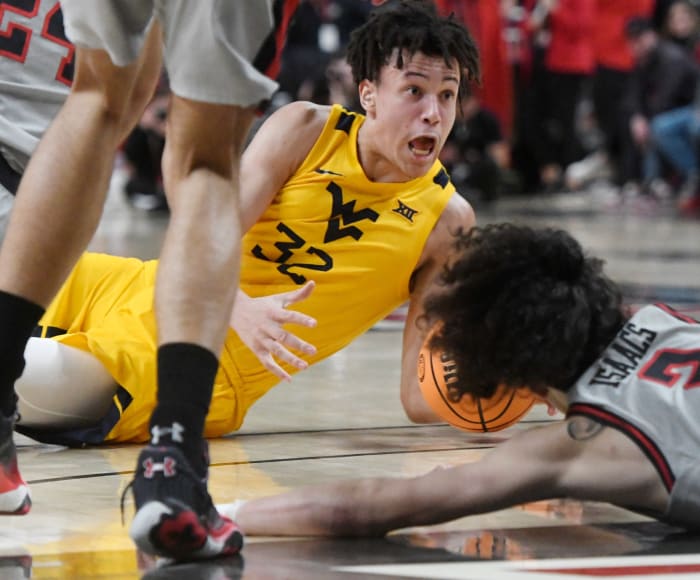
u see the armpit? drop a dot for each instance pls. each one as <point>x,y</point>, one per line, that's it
<point>583,428</point>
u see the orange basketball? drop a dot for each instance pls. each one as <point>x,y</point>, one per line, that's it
<point>505,408</point>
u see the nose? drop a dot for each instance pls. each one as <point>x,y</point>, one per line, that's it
<point>431,110</point>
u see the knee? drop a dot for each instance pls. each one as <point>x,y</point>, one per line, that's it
<point>116,95</point>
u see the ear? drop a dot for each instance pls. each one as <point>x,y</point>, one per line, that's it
<point>368,91</point>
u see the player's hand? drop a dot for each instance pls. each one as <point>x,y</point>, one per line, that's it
<point>260,324</point>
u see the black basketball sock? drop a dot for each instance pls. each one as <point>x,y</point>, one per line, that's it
<point>18,319</point>
<point>186,375</point>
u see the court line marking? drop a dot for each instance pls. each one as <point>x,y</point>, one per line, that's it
<point>264,461</point>
<point>656,567</point>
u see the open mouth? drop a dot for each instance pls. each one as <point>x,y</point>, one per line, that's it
<point>422,146</point>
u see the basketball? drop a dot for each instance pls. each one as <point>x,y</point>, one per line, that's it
<point>436,372</point>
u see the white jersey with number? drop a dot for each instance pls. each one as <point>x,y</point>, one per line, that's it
<point>36,70</point>
<point>647,385</point>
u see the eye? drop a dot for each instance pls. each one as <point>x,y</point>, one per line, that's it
<point>414,91</point>
<point>448,95</point>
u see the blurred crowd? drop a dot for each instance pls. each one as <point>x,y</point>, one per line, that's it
<point>575,94</point>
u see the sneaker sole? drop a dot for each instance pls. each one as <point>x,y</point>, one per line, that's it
<point>173,530</point>
<point>16,502</point>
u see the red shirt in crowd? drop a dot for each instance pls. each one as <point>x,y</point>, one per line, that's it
<point>484,20</point>
<point>612,50</point>
<point>571,46</point>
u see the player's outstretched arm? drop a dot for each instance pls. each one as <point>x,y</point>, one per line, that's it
<point>526,468</point>
<point>458,213</point>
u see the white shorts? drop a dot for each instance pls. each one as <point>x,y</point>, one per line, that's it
<point>211,47</point>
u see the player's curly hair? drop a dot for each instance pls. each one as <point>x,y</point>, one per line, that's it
<point>523,307</point>
<point>411,26</point>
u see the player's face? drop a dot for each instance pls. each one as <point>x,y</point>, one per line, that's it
<point>413,109</point>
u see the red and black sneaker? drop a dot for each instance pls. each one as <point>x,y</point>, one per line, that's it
<point>175,516</point>
<point>14,492</point>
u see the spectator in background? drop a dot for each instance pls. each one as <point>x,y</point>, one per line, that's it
<point>664,78</point>
<point>675,136</point>
<point>522,58</point>
<point>143,152</point>
<point>614,64</point>
<point>476,154</point>
<point>342,89</point>
<point>347,15</point>
<point>682,26</point>
<point>564,29</point>
<point>675,133</point>
<point>486,22</point>
<point>302,56</point>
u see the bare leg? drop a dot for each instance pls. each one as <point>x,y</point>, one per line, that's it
<point>61,196</point>
<point>198,271</point>
<point>195,289</point>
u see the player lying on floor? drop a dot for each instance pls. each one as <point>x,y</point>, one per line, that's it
<point>528,307</point>
<point>358,204</point>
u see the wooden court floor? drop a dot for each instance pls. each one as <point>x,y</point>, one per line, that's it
<point>341,419</point>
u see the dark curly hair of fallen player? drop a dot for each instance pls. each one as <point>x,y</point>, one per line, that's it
<point>411,26</point>
<point>523,307</point>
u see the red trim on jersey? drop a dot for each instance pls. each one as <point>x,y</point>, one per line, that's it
<point>673,312</point>
<point>61,75</point>
<point>639,437</point>
<point>13,26</point>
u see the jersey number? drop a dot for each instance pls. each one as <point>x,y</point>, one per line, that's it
<point>666,365</point>
<point>15,38</point>
<point>286,250</point>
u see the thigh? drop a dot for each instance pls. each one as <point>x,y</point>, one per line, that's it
<point>115,26</point>
<point>214,49</point>
<point>674,121</point>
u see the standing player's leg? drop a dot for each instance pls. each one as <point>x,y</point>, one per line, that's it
<point>196,285</point>
<point>58,207</point>
<point>212,51</point>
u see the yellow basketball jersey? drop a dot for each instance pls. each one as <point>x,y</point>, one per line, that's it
<point>359,240</point>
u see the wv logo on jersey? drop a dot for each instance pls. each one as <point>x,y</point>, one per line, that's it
<point>404,211</point>
<point>344,213</point>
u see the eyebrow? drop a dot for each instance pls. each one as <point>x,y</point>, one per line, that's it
<point>452,78</point>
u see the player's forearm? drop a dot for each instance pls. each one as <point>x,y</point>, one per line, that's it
<point>350,508</point>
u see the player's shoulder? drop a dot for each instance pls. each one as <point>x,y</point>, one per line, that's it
<point>458,214</point>
<point>306,119</point>
<point>290,133</point>
<point>459,209</point>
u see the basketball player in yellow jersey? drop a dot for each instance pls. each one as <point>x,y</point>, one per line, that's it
<point>357,205</point>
